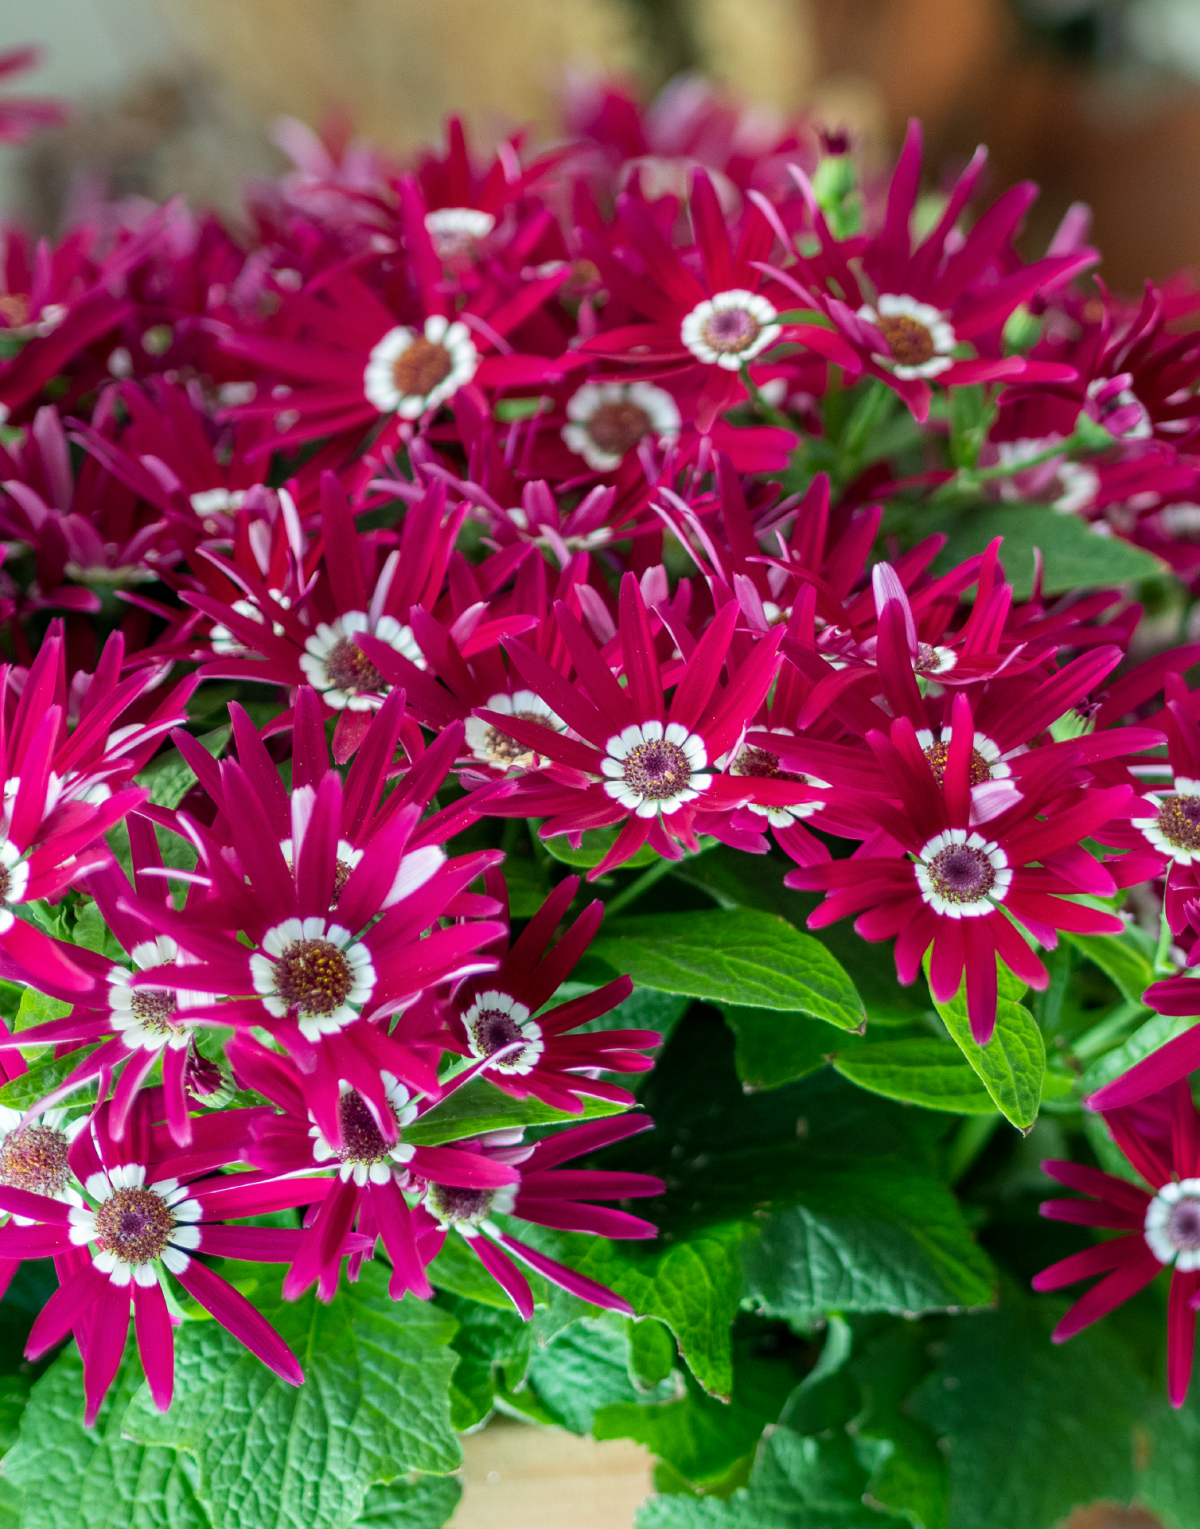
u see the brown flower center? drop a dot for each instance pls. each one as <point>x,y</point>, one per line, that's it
<point>729,330</point>
<point>34,1157</point>
<point>658,770</point>
<point>350,670</point>
<point>135,1224</point>
<point>418,370</point>
<point>616,427</point>
<point>909,341</point>
<point>961,874</point>
<point>454,1205</point>
<point>937,755</point>
<point>761,764</point>
<point>1179,821</point>
<point>505,751</point>
<point>314,977</point>
<point>155,1008</point>
<point>362,1140</point>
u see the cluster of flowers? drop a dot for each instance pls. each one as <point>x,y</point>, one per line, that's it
<point>475,468</point>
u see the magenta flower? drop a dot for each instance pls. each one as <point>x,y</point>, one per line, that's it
<point>500,1015</point>
<point>138,1208</point>
<point>544,1197</point>
<point>952,884</point>
<point>637,759</point>
<point>374,1166</point>
<point>1161,1139</point>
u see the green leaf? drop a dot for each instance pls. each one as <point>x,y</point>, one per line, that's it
<point>38,1009</point>
<point>908,1474</point>
<point>42,1078</point>
<point>457,1270</point>
<point>1119,956</point>
<point>741,957</point>
<point>773,1049</point>
<point>374,1406</point>
<point>72,1477</point>
<point>1075,557</point>
<point>1168,1479</point>
<point>93,933</point>
<point>692,1284</point>
<point>1157,1031</point>
<point>1013,1062</point>
<point>480,1106</point>
<point>651,1353</point>
<point>1030,1429</point>
<point>422,1502</point>
<point>584,1368</point>
<point>487,1342</point>
<point>925,1072</point>
<point>593,847</point>
<point>869,1235</point>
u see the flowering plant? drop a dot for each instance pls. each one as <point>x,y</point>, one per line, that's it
<point>600,754</point>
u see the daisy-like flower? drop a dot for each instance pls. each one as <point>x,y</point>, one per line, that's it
<point>336,667</point>
<point>311,970</point>
<point>636,758</point>
<point>919,339</point>
<point>1161,1224</point>
<point>606,420</point>
<point>409,373</point>
<point>492,746</point>
<point>458,231</point>
<point>373,1164</point>
<point>143,1213</point>
<point>1172,825</point>
<point>493,1016</point>
<point>730,328</point>
<point>956,888</point>
<point>543,1197</point>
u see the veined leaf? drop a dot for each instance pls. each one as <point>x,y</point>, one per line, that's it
<point>925,1072</point>
<point>1118,956</point>
<point>480,1106</point>
<point>1013,1062</point>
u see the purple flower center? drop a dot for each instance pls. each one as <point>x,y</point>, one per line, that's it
<point>313,976</point>
<point>155,1009</point>
<point>1179,821</point>
<point>135,1224</point>
<point>34,1157</point>
<point>729,330</point>
<point>1183,1224</point>
<point>350,670</point>
<point>657,771</point>
<point>492,1029</point>
<point>455,1206</point>
<point>909,341</point>
<point>761,764</point>
<point>961,874</point>
<point>362,1140</point>
<point>615,427</point>
<point>418,370</point>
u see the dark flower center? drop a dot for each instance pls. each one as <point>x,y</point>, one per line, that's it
<point>313,976</point>
<point>492,1029</point>
<point>506,751</point>
<point>615,427</point>
<point>909,341</point>
<point>454,1205</point>
<point>658,770</point>
<point>155,1008</point>
<point>761,764</point>
<point>5,883</point>
<point>34,1157</point>
<point>1183,1225</point>
<point>350,670</point>
<point>927,660</point>
<point>362,1140</point>
<point>14,309</point>
<point>341,875</point>
<point>135,1224</point>
<point>961,873</point>
<point>1179,821</point>
<point>730,330</point>
<point>937,755</point>
<point>418,370</point>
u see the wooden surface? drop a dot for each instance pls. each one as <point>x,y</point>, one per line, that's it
<point>520,1477</point>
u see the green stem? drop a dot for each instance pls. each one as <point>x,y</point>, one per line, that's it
<point>771,412</point>
<point>967,1143</point>
<point>635,888</point>
<point>1163,966</point>
<point>1101,1036</point>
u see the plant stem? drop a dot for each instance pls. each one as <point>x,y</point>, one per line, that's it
<point>635,888</point>
<point>1163,967</point>
<point>1100,1036</point>
<point>967,1143</point>
<point>769,410</point>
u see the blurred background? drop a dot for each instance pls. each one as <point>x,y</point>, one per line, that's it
<point>1097,100</point>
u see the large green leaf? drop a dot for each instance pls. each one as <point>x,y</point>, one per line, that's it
<point>72,1477</point>
<point>424,1502</point>
<point>593,847</point>
<point>586,1367</point>
<point>741,957</point>
<point>1157,1030</point>
<point>1121,957</point>
<point>773,1048</point>
<point>480,1106</point>
<point>908,1474</point>
<point>1030,1429</point>
<point>869,1235</point>
<point>925,1072</point>
<point>374,1406</point>
<point>1013,1063</point>
<point>492,1346</point>
<point>1075,557</point>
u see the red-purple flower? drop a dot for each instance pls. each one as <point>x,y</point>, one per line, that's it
<point>1161,1139</point>
<point>544,1195</point>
